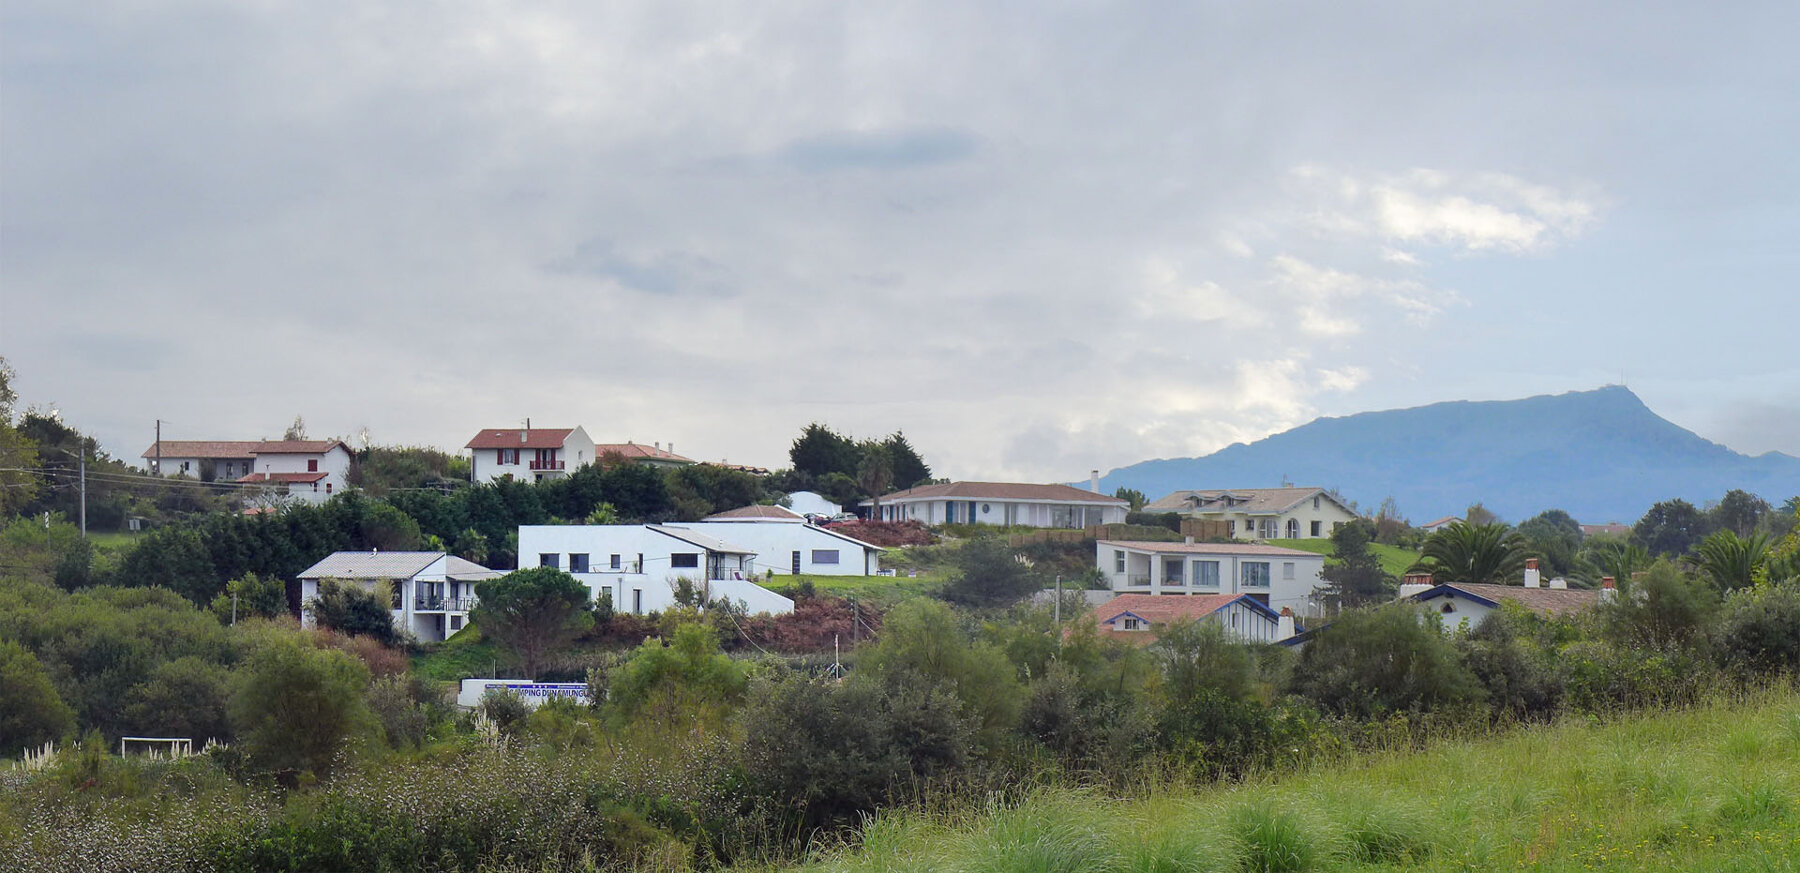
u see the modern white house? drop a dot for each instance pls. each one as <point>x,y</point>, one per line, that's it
<point>308,470</point>
<point>1138,618</point>
<point>1275,577</point>
<point>1261,513</point>
<point>432,592</point>
<point>640,566</point>
<point>805,503</point>
<point>1440,524</point>
<point>786,543</point>
<point>1002,503</point>
<point>529,454</point>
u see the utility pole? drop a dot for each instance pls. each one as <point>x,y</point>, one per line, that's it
<point>159,469</point>
<point>1057,609</point>
<point>83,457</point>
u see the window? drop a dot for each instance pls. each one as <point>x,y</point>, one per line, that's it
<point>825,556</point>
<point>1287,571</point>
<point>685,559</point>
<point>1173,571</point>
<point>578,563</point>
<point>328,488</point>
<point>549,559</point>
<point>1293,528</point>
<point>1231,530</point>
<point>1315,502</point>
<point>1267,531</point>
<point>506,456</point>
<point>615,562</point>
<point>637,601</point>
<point>1118,561</point>
<point>456,622</point>
<point>1254,574</point>
<point>184,466</point>
<point>794,562</point>
<point>1134,624</point>
<point>1315,528</point>
<point>312,466</point>
<point>1206,574</point>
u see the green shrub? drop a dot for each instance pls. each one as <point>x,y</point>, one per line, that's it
<point>1759,630</point>
<point>294,706</point>
<point>1388,659</point>
<point>31,712</point>
<point>1270,839</point>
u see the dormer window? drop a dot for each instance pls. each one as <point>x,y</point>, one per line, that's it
<point>1132,624</point>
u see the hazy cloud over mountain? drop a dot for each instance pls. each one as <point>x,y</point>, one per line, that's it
<point>1041,239</point>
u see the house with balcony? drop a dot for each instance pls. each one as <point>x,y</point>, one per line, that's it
<point>1001,504</point>
<point>273,471</point>
<point>1139,619</point>
<point>431,593</point>
<point>642,566</point>
<point>1262,513</point>
<point>528,454</point>
<point>1273,576</point>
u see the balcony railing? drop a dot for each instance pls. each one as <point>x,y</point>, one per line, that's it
<point>1137,580</point>
<point>444,604</point>
<point>546,465</point>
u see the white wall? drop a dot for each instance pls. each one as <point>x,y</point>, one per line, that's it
<point>651,586</point>
<point>1002,512</point>
<point>1282,591</point>
<point>775,543</point>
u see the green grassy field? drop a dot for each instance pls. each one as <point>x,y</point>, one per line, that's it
<point>1394,559</point>
<point>1715,789</point>
<point>887,589</point>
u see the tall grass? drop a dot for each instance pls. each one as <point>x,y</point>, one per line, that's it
<point>1716,787</point>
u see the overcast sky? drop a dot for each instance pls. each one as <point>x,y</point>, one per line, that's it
<point>1038,237</point>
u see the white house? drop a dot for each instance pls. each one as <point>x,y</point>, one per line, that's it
<point>1275,577</point>
<point>1002,503</point>
<point>640,565</point>
<point>786,543</point>
<point>1138,618</point>
<point>1440,524</point>
<point>432,592</point>
<point>654,455</point>
<point>309,470</point>
<point>805,503</point>
<point>531,454</point>
<point>1262,513</point>
<point>1465,605</point>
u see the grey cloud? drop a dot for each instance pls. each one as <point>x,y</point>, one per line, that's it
<point>670,273</point>
<point>887,149</point>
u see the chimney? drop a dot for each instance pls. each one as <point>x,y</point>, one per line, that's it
<point>658,445</point>
<point>1094,481</point>
<point>1190,541</point>
<point>1531,573</point>
<point>1609,589</point>
<point>1284,626</point>
<point>1415,583</point>
<point>1559,582</point>
<point>671,448</point>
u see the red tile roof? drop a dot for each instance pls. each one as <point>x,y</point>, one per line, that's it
<point>297,447</point>
<point>240,449</point>
<point>1160,609</point>
<point>536,438</point>
<point>289,478</point>
<point>638,452</point>
<point>233,449</point>
<point>1001,491</point>
<point>1253,501</point>
<point>1545,601</point>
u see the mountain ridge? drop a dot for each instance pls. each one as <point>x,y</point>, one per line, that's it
<point>1600,454</point>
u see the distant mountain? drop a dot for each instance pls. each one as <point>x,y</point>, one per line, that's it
<point>1599,455</point>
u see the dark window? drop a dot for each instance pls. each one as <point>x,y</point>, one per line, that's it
<point>684,559</point>
<point>1315,528</point>
<point>825,556</point>
<point>578,563</point>
<point>549,559</point>
<point>312,466</point>
<point>615,562</point>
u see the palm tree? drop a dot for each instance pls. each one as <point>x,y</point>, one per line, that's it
<point>1732,560</point>
<point>1492,553</point>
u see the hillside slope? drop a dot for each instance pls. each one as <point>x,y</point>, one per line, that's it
<point>1601,455</point>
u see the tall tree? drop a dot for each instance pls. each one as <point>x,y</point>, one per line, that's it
<point>1671,528</point>
<point>874,472</point>
<point>1488,553</point>
<point>1731,560</point>
<point>1478,515</point>
<point>295,431</point>
<point>1554,537</point>
<point>1134,498</point>
<point>909,468</point>
<point>820,450</point>
<point>1740,512</point>
<point>532,612</point>
<point>1354,575</point>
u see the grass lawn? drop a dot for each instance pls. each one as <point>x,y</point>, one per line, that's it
<point>885,589</point>
<point>113,541</point>
<point>1393,559</point>
<point>1714,789</point>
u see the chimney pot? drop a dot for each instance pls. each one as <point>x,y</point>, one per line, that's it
<point>1608,582</point>
<point>1531,564</point>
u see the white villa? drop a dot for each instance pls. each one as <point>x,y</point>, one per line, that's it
<point>640,565</point>
<point>1002,503</point>
<point>1262,513</point>
<point>308,470</point>
<point>1275,577</point>
<point>432,592</point>
<point>786,543</point>
<point>532,454</point>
